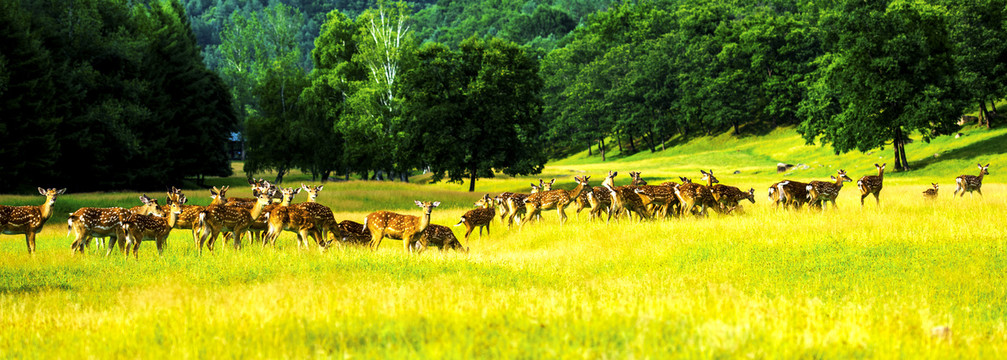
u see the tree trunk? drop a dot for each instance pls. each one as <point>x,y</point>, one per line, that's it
<point>895,148</point>
<point>632,144</point>
<point>902,153</point>
<point>279,175</point>
<point>736,131</point>
<point>472,179</point>
<point>983,115</point>
<point>325,176</point>
<point>618,140</point>
<point>602,149</point>
<point>589,146</point>
<point>650,141</point>
<point>404,176</point>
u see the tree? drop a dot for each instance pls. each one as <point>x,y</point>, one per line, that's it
<point>476,110</point>
<point>977,30</point>
<point>887,73</point>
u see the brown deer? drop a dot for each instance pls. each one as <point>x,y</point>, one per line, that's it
<point>553,199</point>
<point>625,200</point>
<point>598,198</point>
<point>793,194</point>
<point>407,228</point>
<point>441,237</point>
<point>353,233</point>
<point>217,218</point>
<point>690,195</point>
<point>657,198</point>
<point>820,192</point>
<point>479,218</point>
<point>637,180</point>
<point>88,222</point>
<point>971,183</point>
<point>931,194</point>
<point>514,203</point>
<point>322,214</point>
<point>139,227</point>
<point>728,198</point>
<point>545,186</point>
<point>294,219</point>
<point>774,195</point>
<point>28,220</point>
<point>871,185</point>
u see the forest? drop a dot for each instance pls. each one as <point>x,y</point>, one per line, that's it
<point>146,94</point>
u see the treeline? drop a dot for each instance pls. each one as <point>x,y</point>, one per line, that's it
<point>100,94</point>
<point>855,74</point>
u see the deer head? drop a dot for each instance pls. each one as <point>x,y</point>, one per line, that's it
<point>751,195</point>
<point>312,191</point>
<point>485,202</point>
<point>935,185</point>
<point>288,195</point>
<point>535,188</point>
<point>545,186</point>
<point>984,170</point>
<point>842,177</point>
<point>685,180</point>
<point>51,194</point>
<point>709,178</point>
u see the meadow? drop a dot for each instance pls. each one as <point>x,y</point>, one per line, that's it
<point>855,282</point>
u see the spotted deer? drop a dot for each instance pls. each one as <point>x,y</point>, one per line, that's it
<point>139,227</point>
<point>637,180</point>
<point>353,233</point>
<point>553,199</point>
<point>690,195</point>
<point>728,198</point>
<point>793,194</point>
<point>546,186</point>
<point>871,184</point>
<point>625,200</point>
<point>931,194</point>
<point>441,237</point>
<point>217,218</point>
<point>88,222</point>
<point>28,220</point>
<point>774,195</point>
<point>407,228</point>
<point>971,183</point>
<point>598,198</point>
<point>322,214</point>
<point>820,192</point>
<point>478,218</point>
<point>294,219</point>
<point>657,198</point>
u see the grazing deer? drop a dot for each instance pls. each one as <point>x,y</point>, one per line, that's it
<point>28,220</point>
<point>690,195</point>
<point>441,237</point>
<point>657,198</point>
<point>793,194</point>
<point>599,198</point>
<point>637,180</point>
<point>139,227</point>
<point>820,192</point>
<point>871,185</point>
<point>479,218</point>
<point>931,194</point>
<point>88,222</point>
<point>217,218</point>
<point>553,199</point>
<point>353,233</point>
<point>294,219</point>
<point>971,183</point>
<point>728,198</point>
<point>624,199</point>
<point>407,228</point>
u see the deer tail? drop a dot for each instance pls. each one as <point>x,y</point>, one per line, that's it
<point>69,224</point>
<point>462,221</point>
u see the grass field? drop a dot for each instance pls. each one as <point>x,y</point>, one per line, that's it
<point>857,282</point>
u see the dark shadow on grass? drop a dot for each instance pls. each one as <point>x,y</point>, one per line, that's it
<point>992,145</point>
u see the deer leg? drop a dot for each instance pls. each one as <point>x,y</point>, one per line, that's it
<point>468,231</point>
<point>862,196</point>
<point>407,242</point>
<point>980,191</point>
<point>487,231</point>
<point>160,245</point>
<point>376,237</point>
<point>876,199</point>
<point>561,209</point>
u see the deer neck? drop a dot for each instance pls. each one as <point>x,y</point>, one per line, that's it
<point>576,191</point>
<point>257,209</point>
<point>172,219</point>
<point>424,222</point>
<point>839,182</point>
<point>46,210</point>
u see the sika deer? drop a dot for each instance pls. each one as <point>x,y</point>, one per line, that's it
<point>138,228</point>
<point>729,197</point>
<point>971,183</point>
<point>624,199</point>
<point>28,220</point>
<point>321,214</point>
<point>820,192</point>
<point>291,218</point>
<point>657,198</point>
<point>792,194</point>
<point>931,194</point>
<point>479,218</point>
<point>553,199</point>
<point>637,180</point>
<point>441,237</point>
<point>871,185</point>
<point>87,223</point>
<point>599,198</point>
<point>353,233</point>
<point>217,218</point>
<point>691,194</point>
<point>407,228</point>
<point>514,203</point>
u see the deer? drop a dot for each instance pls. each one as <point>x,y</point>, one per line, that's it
<point>28,220</point>
<point>598,198</point>
<point>481,217</point>
<point>553,199</point>
<point>217,218</point>
<point>774,195</point>
<point>971,183</point>
<point>88,222</point>
<point>139,227</point>
<point>637,180</point>
<point>353,232</point>
<point>692,194</point>
<point>441,237</point>
<point>545,186</point>
<point>294,219</point>
<point>514,203</point>
<point>728,198</point>
<point>321,214</point>
<point>793,194</point>
<point>931,194</point>
<point>820,192</point>
<point>657,198</point>
<point>407,228</point>
<point>871,184</point>
<point>624,199</point>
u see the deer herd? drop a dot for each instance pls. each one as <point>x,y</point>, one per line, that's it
<point>271,211</point>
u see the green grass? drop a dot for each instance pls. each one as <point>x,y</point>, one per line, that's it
<point>857,282</point>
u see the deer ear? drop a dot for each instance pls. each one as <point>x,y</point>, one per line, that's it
<point>41,191</point>
<point>319,187</point>
<point>615,173</point>
<point>418,203</point>
<point>437,203</point>
<point>297,191</point>
<point>833,177</point>
<point>305,187</point>
<point>987,165</point>
<point>553,181</point>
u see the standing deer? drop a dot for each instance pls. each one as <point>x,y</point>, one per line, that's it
<point>87,223</point>
<point>441,237</point>
<point>553,199</point>
<point>28,220</point>
<point>217,218</point>
<point>479,218</point>
<point>774,195</point>
<point>138,228</point>
<point>657,198</point>
<point>728,198</point>
<point>321,214</point>
<point>820,192</point>
<point>625,200</point>
<point>793,194</point>
<point>637,180</point>
<point>407,228</point>
<point>871,185</point>
<point>690,195</point>
<point>971,183</point>
<point>599,198</point>
<point>931,194</point>
<point>294,219</point>
<point>514,203</point>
